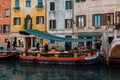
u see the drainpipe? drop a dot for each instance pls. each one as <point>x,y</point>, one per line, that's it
<point>72,16</point>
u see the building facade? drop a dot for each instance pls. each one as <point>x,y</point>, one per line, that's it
<point>5,9</point>
<point>27,14</point>
<point>59,20</point>
<point>96,17</point>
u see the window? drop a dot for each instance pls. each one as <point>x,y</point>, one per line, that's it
<point>80,0</point>
<point>7,12</point>
<point>40,20</point>
<point>40,3</point>
<point>17,21</point>
<point>28,3</point>
<point>52,6</point>
<point>68,5</point>
<point>117,17</point>
<point>0,28</point>
<point>17,3</point>
<point>52,24</point>
<point>81,21</point>
<point>6,28</point>
<point>97,20</point>
<point>110,18</point>
<point>68,23</point>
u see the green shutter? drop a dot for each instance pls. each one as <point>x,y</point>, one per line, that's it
<point>40,1</point>
<point>52,6</point>
<point>43,19</point>
<point>16,3</point>
<point>37,22</point>
<point>14,21</point>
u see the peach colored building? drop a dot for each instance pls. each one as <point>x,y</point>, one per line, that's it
<point>5,7</point>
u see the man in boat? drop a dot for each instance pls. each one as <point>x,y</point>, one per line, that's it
<point>98,45</point>
<point>38,46</point>
<point>46,47</point>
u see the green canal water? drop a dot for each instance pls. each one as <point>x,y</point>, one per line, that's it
<point>14,70</point>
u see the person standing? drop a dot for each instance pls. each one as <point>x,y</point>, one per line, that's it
<point>8,45</point>
<point>46,47</point>
<point>38,46</point>
<point>14,44</point>
<point>41,45</point>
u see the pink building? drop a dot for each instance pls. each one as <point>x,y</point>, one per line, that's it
<point>5,7</point>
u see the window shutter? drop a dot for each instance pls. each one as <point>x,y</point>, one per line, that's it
<point>52,6</point>
<point>71,4</point>
<point>15,21</point>
<point>39,1</point>
<point>103,19</point>
<point>77,21</point>
<point>19,21</point>
<point>84,20</point>
<point>54,24</point>
<point>93,20</point>
<point>42,19</point>
<point>37,20</point>
<point>65,23</point>
<point>50,24</point>
<point>16,3</point>
<point>117,17</point>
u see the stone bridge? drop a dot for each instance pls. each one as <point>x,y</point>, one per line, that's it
<point>114,50</point>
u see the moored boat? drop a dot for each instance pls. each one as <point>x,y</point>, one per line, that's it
<point>10,53</point>
<point>58,58</point>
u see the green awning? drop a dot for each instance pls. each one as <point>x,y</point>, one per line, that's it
<point>90,34</point>
<point>40,34</point>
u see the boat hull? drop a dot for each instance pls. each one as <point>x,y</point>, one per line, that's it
<point>8,54</point>
<point>60,60</point>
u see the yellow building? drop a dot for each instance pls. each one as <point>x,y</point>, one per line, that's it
<point>27,14</point>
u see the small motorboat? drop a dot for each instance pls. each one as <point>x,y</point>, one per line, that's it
<point>8,53</point>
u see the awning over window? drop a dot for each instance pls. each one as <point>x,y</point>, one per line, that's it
<point>52,37</point>
<point>90,34</point>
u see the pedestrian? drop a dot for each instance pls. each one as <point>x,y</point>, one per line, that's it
<point>8,45</point>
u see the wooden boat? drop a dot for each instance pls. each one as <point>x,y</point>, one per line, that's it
<point>6,54</point>
<point>59,58</point>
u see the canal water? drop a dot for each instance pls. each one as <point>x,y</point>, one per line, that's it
<point>14,70</point>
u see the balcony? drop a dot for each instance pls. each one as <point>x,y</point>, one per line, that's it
<point>16,8</point>
<point>41,6</point>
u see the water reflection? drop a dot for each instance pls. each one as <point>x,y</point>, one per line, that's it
<point>13,70</point>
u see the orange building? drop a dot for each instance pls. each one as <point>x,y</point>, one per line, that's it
<point>5,8</point>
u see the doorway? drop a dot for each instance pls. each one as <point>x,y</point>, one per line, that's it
<point>28,22</point>
<point>68,45</point>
